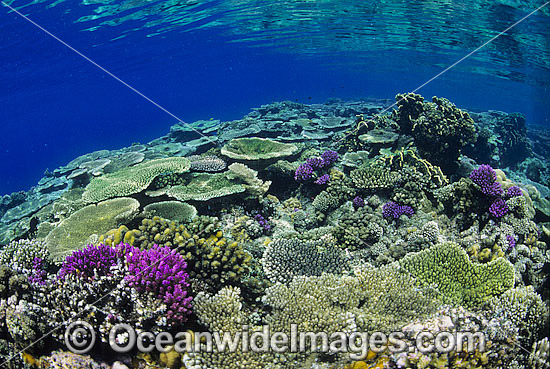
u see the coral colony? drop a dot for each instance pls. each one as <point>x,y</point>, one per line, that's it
<point>368,236</point>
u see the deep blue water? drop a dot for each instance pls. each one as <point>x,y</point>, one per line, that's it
<point>219,59</point>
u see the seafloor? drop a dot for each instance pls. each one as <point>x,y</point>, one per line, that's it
<point>337,217</point>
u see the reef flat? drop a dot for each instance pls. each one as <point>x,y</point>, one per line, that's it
<point>339,218</point>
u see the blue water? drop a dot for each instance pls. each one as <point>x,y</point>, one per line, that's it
<point>219,59</point>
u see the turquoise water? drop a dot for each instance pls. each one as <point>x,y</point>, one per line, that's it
<point>219,59</point>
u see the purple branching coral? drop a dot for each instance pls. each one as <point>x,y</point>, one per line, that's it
<point>393,210</point>
<point>161,272</point>
<point>514,191</point>
<point>511,241</point>
<point>329,157</point>
<point>322,180</point>
<point>306,171</point>
<point>263,222</point>
<point>498,208</point>
<point>85,263</point>
<point>486,178</point>
<point>358,202</point>
<point>303,173</point>
<point>315,163</point>
<point>38,275</point>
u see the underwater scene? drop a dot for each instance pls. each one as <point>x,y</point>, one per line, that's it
<point>295,184</point>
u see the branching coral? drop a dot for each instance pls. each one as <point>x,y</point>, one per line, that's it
<point>460,281</point>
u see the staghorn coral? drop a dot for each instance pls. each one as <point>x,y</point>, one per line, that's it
<point>131,180</point>
<point>284,259</point>
<point>20,255</point>
<point>522,311</point>
<point>459,280</point>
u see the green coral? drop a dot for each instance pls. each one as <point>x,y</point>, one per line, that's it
<point>359,229</point>
<point>173,210</point>
<point>254,149</point>
<point>73,232</point>
<point>459,280</point>
<point>284,259</point>
<point>212,259</point>
<point>374,299</point>
<point>131,180</point>
<point>440,130</point>
<point>202,187</point>
<point>374,177</point>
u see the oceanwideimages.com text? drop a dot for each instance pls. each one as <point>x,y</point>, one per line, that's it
<point>80,338</point>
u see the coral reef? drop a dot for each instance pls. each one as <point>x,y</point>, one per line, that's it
<point>457,278</point>
<point>335,217</point>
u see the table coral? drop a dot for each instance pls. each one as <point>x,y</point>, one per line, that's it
<point>131,180</point>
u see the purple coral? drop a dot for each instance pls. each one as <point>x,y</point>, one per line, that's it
<point>329,157</point>
<point>358,202</point>
<point>514,191</point>
<point>485,177</point>
<point>38,275</point>
<point>304,172</point>
<point>161,272</point>
<point>263,222</point>
<point>394,210</point>
<point>322,180</point>
<point>511,241</point>
<point>498,208</point>
<point>315,162</point>
<point>85,263</point>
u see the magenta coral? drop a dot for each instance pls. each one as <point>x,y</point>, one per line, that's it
<point>92,260</point>
<point>161,272</point>
<point>329,157</point>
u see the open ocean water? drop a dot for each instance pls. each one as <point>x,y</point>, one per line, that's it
<point>237,167</point>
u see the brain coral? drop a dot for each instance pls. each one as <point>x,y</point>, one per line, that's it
<point>459,280</point>
<point>131,180</point>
